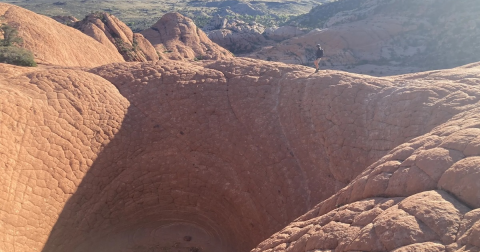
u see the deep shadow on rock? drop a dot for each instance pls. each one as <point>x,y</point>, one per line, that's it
<point>138,156</point>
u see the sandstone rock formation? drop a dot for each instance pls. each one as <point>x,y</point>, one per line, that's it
<point>219,155</point>
<point>235,35</point>
<point>347,44</point>
<point>241,37</point>
<point>283,32</point>
<point>224,155</point>
<point>397,34</point>
<point>115,34</point>
<point>178,38</point>
<point>54,43</point>
<point>422,196</point>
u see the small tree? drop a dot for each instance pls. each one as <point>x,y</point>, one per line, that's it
<point>10,36</point>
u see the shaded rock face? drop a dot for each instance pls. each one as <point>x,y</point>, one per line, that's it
<point>283,32</point>
<point>219,155</point>
<point>178,38</point>
<point>418,197</point>
<point>54,43</point>
<point>115,34</point>
<point>241,37</point>
<point>235,35</point>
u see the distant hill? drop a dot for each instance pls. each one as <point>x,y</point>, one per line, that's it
<point>425,35</point>
<point>140,15</point>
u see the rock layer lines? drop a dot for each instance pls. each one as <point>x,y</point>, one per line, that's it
<point>219,155</point>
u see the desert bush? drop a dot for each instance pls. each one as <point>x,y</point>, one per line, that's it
<point>10,36</point>
<point>9,52</point>
<point>200,57</point>
<point>16,56</point>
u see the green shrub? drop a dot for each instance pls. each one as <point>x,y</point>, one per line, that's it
<point>16,56</point>
<point>9,52</point>
<point>10,35</point>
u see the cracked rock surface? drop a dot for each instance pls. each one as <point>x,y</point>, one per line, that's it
<point>220,155</point>
<point>423,195</point>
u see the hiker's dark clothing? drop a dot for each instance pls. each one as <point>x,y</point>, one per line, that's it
<point>319,53</point>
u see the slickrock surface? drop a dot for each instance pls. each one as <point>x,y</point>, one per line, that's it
<point>113,33</point>
<point>54,43</point>
<point>178,38</point>
<point>384,37</point>
<point>219,155</point>
<point>423,195</point>
<point>348,44</point>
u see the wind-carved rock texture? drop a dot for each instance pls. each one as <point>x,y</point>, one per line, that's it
<point>54,43</point>
<point>178,38</point>
<point>113,33</point>
<point>219,155</point>
<point>423,195</point>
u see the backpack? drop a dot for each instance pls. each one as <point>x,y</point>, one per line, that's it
<point>319,53</point>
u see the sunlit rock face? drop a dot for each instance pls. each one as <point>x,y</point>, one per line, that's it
<point>176,37</point>
<point>53,43</point>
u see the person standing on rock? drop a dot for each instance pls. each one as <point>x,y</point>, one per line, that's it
<point>319,57</point>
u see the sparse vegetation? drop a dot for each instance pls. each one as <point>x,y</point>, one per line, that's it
<point>10,52</point>
<point>16,56</point>
<point>158,54</point>
<point>318,15</point>
<point>10,36</point>
<point>140,15</point>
